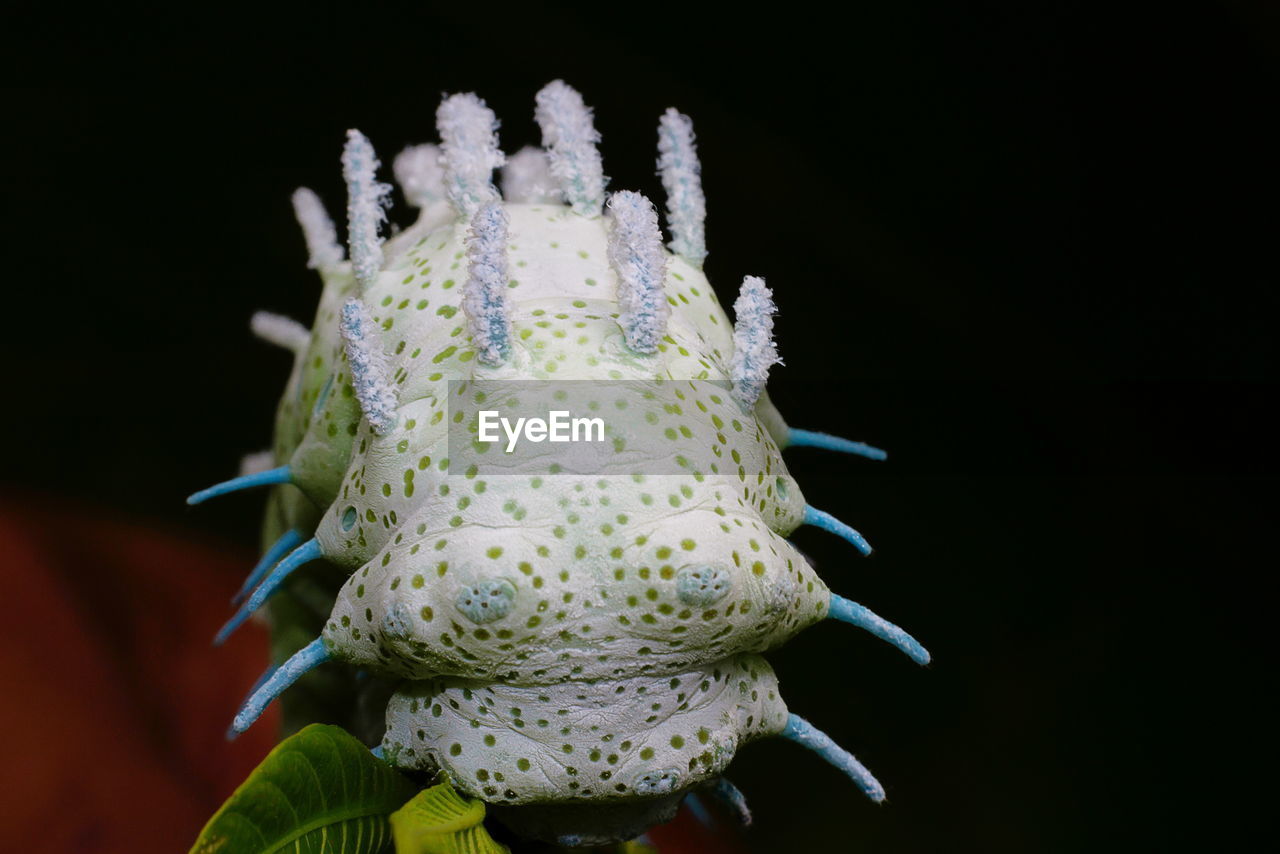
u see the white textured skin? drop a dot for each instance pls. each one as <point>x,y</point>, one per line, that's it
<point>551,278</point>
<point>559,742</point>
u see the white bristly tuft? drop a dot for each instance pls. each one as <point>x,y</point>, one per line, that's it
<point>280,330</point>
<point>258,461</point>
<point>370,374</point>
<point>753,349</point>
<point>366,203</point>
<point>682,177</point>
<point>570,138</point>
<point>419,174</point>
<point>636,255</point>
<point>484,297</point>
<point>469,142</point>
<point>322,240</point>
<point>527,178</point>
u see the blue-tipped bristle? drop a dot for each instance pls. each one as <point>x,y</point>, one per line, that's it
<point>305,553</point>
<point>287,543</point>
<point>732,797</point>
<point>848,611</point>
<point>813,439</point>
<point>821,519</point>
<point>807,735</point>
<point>310,656</point>
<point>699,810</point>
<point>248,481</point>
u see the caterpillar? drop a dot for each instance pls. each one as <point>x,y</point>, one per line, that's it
<point>580,649</point>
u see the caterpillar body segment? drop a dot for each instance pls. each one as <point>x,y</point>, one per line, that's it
<point>562,303</point>
<point>318,415</point>
<point>681,597</point>
<point>622,740</point>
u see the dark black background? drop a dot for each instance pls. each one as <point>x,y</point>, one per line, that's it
<point>1028,247</point>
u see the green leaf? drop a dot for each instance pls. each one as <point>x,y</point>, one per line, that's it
<point>318,791</point>
<point>440,821</point>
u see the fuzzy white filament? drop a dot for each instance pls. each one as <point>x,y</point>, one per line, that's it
<point>280,330</point>
<point>419,174</point>
<point>571,141</point>
<point>370,373</point>
<point>323,248</point>
<point>682,178</point>
<point>527,178</point>
<point>366,203</point>
<point>469,139</point>
<point>753,349</point>
<point>484,296</point>
<point>636,255</point>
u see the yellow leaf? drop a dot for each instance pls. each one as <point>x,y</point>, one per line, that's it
<point>440,821</point>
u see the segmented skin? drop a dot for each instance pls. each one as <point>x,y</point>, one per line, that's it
<point>634,737</point>
<point>562,637</point>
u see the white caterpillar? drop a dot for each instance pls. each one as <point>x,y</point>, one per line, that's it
<point>575,638</point>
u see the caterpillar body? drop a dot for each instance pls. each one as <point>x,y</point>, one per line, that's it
<point>583,648</point>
